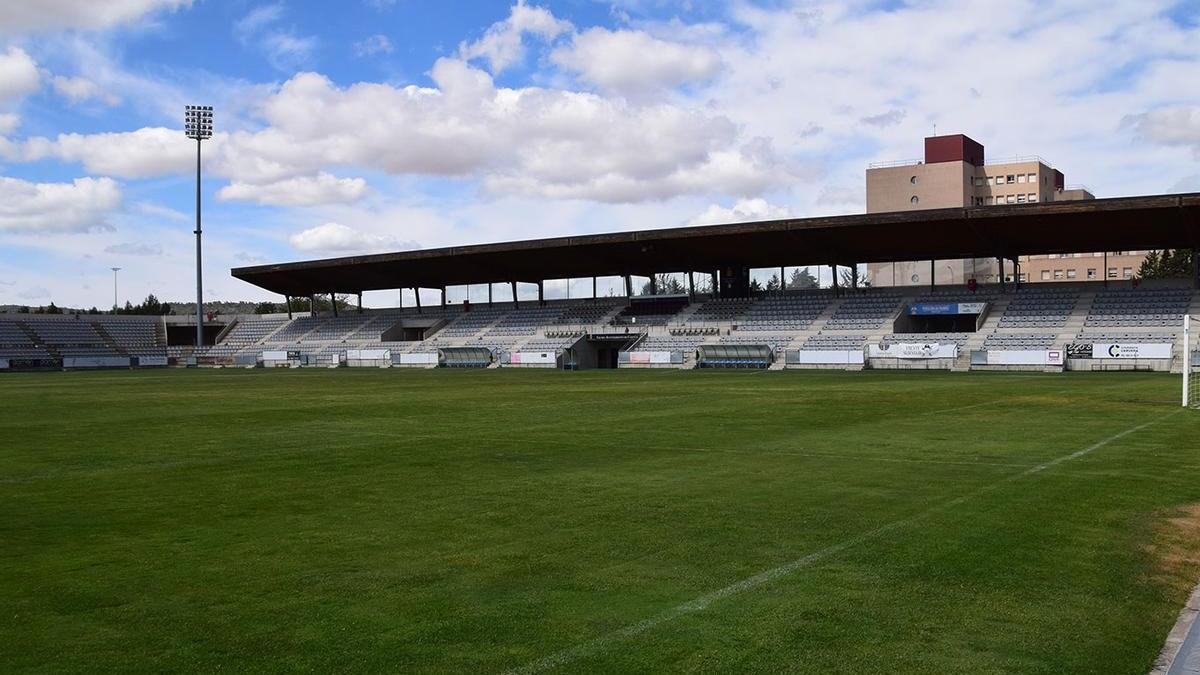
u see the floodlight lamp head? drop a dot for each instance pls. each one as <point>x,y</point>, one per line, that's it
<point>197,121</point>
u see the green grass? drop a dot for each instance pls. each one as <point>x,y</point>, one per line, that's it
<point>440,521</point>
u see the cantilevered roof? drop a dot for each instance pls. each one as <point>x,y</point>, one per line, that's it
<point>1121,224</point>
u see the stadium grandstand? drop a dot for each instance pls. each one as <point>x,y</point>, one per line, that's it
<point>1099,325</point>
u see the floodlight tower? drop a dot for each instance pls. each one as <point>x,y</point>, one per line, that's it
<point>114,271</point>
<point>198,124</point>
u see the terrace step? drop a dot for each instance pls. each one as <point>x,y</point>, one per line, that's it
<point>108,339</point>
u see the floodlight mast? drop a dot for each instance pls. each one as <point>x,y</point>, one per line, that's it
<point>198,124</point>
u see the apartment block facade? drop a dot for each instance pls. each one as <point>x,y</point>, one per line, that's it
<point>954,174</point>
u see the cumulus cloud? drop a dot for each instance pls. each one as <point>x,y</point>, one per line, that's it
<point>375,44</point>
<point>18,73</point>
<point>341,239</point>
<point>530,141</point>
<point>1170,125</point>
<point>743,210</point>
<point>20,17</point>
<point>78,206</point>
<point>634,63</point>
<point>502,44</point>
<point>80,89</point>
<point>8,124</point>
<point>322,188</point>
<point>146,152</point>
<point>134,249</point>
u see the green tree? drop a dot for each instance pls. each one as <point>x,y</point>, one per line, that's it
<point>847,278</point>
<point>265,308</point>
<point>801,278</point>
<point>1167,264</point>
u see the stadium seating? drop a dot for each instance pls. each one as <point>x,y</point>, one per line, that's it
<point>786,312</point>
<point>1019,341</point>
<point>1039,308</point>
<point>776,341</point>
<point>669,344</point>
<point>834,342</point>
<point>864,312</point>
<point>959,339</point>
<point>1032,318</point>
<point>721,309</point>
<point>1120,308</point>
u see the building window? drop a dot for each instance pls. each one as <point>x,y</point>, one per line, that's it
<point>1045,275</point>
<point>914,200</point>
<point>1031,198</point>
<point>1020,199</point>
<point>1023,277</point>
<point>1010,178</point>
<point>1033,178</point>
<point>1112,273</point>
<point>988,200</point>
<point>1011,199</point>
<point>989,180</point>
<point>1020,178</point>
<point>1071,274</point>
<point>1058,274</point>
<point>1091,274</point>
<point>1127,272</point>
<point>978,182</point>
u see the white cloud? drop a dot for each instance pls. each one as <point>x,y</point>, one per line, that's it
<point>283,49</point>
<point>1170,125</point>
<point>80,89</point>
<point>78,206</point>
<point>532,141</point>
<point>8,124</point>
<point>743,210</point>
<point>502,44</point>
<point>150,151</point>
<point>374,44</point>
<point>132,248</point>
<point>634,63</point>
<point>18,73</point>
<point>341,239</point>
<point>257,19</point>
<point>885,119</point>
<point>322,188</point>
<point>21,16</point>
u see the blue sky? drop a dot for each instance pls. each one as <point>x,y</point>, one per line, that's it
<point>375,125</point>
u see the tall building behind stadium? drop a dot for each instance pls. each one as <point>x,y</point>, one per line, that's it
<point>955,174</point>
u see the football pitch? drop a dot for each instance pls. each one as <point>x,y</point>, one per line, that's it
<point>632,521</point>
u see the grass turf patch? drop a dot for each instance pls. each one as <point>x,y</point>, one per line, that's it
<point>484,521</point>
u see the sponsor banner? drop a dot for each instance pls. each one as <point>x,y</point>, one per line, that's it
<point>368,355</point>
<point>276,356</point>
<point>1024,357</point>
<point>649,357</point>
<point>532,357</point>
<point>95,362</point>
<point>826,356</point>
<point>419,359</point>
<point>912,350</point>
<point>3,364</point>
<point>1131,350</point>
<point>151,361</point>
<point>944,308</point>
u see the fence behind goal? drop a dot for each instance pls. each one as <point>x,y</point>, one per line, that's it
<point>1191,362</point>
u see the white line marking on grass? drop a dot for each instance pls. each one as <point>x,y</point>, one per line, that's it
<point>702,602</point>
<point>848,458</point>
